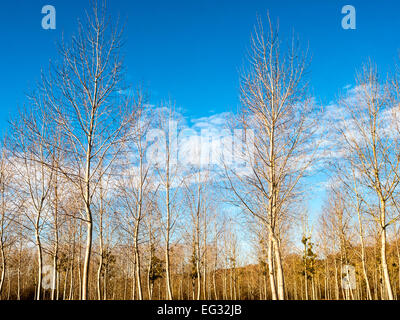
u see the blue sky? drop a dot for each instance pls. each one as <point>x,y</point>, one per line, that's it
<point>192,51</point>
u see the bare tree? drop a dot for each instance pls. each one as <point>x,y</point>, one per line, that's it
<point>85,98</point>
<point>35,177</point>
<point>277,110</point>
<point>373,152</point>
<point>135,186</point>
<point>7,211</point>
<point>165,162</point>
<point>197,182</point>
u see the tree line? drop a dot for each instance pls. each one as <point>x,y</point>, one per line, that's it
<point>85,214</point>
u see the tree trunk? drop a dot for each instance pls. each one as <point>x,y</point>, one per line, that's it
<point>86,263</point>
<point>271,269</point>
<point>99,271</point>
<point>364,266</point>
<point>279,271</point>
<point>385,269</point>
<point>40,262</point>
<point>137,259</point>
<point>167,244</point>
<point>3,267</point>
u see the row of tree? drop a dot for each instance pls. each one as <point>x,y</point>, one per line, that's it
<point>96,204</point>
